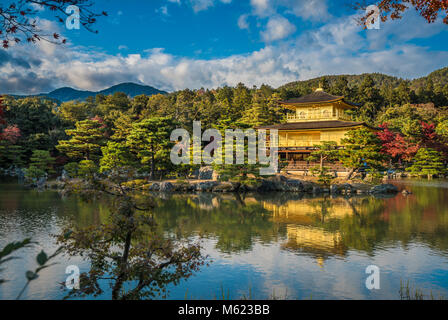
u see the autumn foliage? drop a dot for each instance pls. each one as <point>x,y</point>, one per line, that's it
<point>396,145</point>
<point>393,9</point>
<point>18,20</point>
<point>403,149</point>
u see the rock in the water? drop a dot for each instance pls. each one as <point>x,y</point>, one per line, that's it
<point>227,187</point>
<point>267,185</point>
<point>295,185</point>
<point>317,190</point>
<point>154,187</point>
<point>384,189</point>
<point>346,189</point>
<point>184,187</point>
<point>206,186</point>
<point>334,189</point>
<point>166,187</point>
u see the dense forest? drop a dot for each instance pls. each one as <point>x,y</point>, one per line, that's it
<point>44,136</point>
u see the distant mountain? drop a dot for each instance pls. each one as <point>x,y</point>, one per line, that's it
<point>438,77</point>
<point>131,89</point>
<point>353,80</point>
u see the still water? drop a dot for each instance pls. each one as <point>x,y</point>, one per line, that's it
<point>261,246</point>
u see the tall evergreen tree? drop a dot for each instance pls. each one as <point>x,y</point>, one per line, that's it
<point>86,141</point>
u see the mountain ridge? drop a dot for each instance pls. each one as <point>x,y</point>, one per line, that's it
<point>65,94</point>
<point>439,77</point>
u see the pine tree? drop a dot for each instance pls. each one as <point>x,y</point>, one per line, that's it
<point>41,164</point>
<point>86,142</point>
<point>427,162</point>
<point>362,149</point>
<point>324,152</point>
<point>150,141</point>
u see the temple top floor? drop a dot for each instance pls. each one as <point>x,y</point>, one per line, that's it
<point>318,106</point>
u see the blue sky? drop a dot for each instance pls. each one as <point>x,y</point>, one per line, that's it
<point>177,44</point>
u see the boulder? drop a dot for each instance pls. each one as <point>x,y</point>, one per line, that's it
<point>278,178</point>
<point>227,187</point>
<point>346,189</point>
<point>248,187</point>
<point>184,187</point>
<point>361,188</point>
<point>317,190</point>
<point>335,189</point>
<point>308,186</point>
<point>206,186</point>
<point>384,189</point>
<point>268,185</point>
<point>154,187</point>
<point>295,185</point>
<point>166,187</point>
<point>205,173</point>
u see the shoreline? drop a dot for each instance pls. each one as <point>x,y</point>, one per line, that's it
<point>278,183</point>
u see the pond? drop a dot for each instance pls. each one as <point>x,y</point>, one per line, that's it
<point>262,246</point>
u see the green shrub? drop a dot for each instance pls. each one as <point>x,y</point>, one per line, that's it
<point>72,169</point>
<point>87,169</point>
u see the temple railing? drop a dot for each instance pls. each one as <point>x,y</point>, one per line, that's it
<point>307,166</point>
<point>316,117</point>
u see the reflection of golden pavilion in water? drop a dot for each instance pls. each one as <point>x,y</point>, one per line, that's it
<point>300,217</point>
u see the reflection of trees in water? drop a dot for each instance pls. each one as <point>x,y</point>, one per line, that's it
<point>361,222</point>
<point>376,222</point>
<point>235,221</point>
<point>27,210</point>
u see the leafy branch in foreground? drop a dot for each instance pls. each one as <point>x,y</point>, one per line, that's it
<point>394,9</point>
<point>18,19</point>
<point>42,259</point>
<point>127,251</point>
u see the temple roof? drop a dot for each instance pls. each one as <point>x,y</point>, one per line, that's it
<point>316,125</point>
<point>318,96</point>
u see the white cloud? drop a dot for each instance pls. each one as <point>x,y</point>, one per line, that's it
<point>277,28</point>
<point>262,7</point>
<point>163,10</point>
<point>307,9</point>
<point>201,5</point>
<point>242,22</point>
<point>339,47</point>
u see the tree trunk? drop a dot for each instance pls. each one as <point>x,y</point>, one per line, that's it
<point>152,163</point>
<point>123,263</point>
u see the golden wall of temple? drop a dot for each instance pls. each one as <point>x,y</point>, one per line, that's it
<point>309,138</point>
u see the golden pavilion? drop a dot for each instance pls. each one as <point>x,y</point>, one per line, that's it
<point>317,117</point>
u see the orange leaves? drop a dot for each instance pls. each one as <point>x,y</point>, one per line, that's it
<point>428,9</point>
